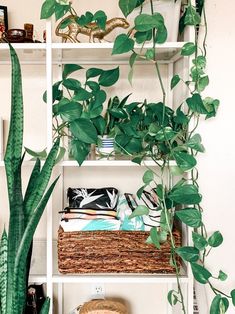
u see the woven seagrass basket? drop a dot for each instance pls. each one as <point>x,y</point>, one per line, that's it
<point>112,252</point>
<point>103,307</point>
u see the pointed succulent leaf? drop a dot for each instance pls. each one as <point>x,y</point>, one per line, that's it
<point>46,306</point>
<point>15,137</point>
<point>22,252</point>
<point>60,155</point>
<point>40,154</point>
<point>13,162</point>
<point>31,186</point>
<point>3,272</point>
<point>42,180</point>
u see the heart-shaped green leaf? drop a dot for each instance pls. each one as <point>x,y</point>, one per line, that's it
<point>122,44</point>
<point>139,211</point>
<point>215,239</point>
<point>188,253</point>
<point>190,216</point>
<point>200,273</point>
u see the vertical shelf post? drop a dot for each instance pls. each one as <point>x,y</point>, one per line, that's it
<point>49,243</point>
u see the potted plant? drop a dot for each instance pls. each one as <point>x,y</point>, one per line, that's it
<point>115,114</point>
<point>78,106</point>
<point>25,211</point>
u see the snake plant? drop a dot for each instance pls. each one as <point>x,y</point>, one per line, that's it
<point>25,211</point>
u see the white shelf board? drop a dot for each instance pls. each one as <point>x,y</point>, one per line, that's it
<point>105,163</point>
<point>88,53</point>
<point>96,163</point>
<point>101,53</point>
<point>37,279</point>
<point>28,163</point>
<point>118,278</point>
<point>29,53</point>
<point>24,46</point>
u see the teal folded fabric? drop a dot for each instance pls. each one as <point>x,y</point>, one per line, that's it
<point>90,225</point>
<point>123,213</point>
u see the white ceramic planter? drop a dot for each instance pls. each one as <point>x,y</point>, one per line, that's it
<point>106,146</point>
<point>169,9</point>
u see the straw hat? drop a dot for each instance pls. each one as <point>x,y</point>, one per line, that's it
<point>103,307</point>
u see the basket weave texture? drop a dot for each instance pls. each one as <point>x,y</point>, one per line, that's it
<point>112,252</point>
<point>103,307</point>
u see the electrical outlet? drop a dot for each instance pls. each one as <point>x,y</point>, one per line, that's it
<point>98,291</point>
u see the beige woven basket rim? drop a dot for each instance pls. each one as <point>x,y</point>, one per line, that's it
<point>103,305</point>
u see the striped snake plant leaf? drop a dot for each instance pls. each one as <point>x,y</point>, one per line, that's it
<point>42,180</point>
<point>20,270</point>
<point>15,138</point>
<point>46,306</point>
<point>31,187</point>
<point>3,272</point>
<point>12,161</point>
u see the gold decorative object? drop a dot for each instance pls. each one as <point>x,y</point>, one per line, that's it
<point>92,30</point>
<point>29,31</point>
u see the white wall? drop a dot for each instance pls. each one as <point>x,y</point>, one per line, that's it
<point>216,167</point>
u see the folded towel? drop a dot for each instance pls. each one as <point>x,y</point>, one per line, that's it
<point>90,225</point>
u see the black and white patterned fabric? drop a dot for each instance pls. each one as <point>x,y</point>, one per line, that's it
<point>100,199</point>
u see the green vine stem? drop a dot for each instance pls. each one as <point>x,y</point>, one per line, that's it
<point>172,241</point>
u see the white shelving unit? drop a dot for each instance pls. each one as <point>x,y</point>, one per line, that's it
<point>58,54</point>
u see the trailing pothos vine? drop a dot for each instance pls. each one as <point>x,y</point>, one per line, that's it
<point>170,138</point>
<point>178,142</point>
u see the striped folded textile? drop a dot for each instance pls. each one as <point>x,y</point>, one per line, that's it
<point>88,214</point>
<point>150,200</point>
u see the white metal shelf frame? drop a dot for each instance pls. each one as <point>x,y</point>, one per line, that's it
<point>49,48</point>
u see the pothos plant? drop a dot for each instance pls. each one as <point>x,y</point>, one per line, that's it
<point>174,138</point>
<point>59,8</point>
<point>25,210</point>
<point>78,106</point>
<point>168,135</point>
